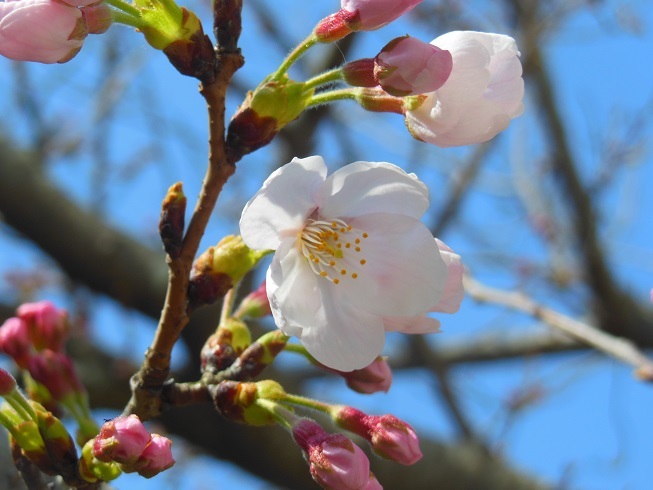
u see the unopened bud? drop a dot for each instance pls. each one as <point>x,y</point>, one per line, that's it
<point>361,15</point>
<point>48,325</point>
<point>171,223</point>
<point>223,347</point>
<point>56,372</point>
<point>156,457</point>
<point>7,383</point>
<point>390,437</point>
<point>15,341</point>
<point>255,304</point>
<point>408,66</point>
<point>122,440</point>
<point>264,112</point>
<point>237,402</point>
<point>219,268</point>
<point>334,460</point>
<point>371,379</point>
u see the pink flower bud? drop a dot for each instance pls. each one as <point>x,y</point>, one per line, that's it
<point>371,379</point>
<point>122,440</point>
<point>335,461</point>
<point>15,342</point>
<point>48,325</point>
<point>361,15</point>
<point>390,437</point>
<point>40,30</point>
<point>156,457</point>
<point>394,439</point>
<point>56,372</point>
<point>408,66</point>
<point>481,96</point>
<point>373,483</point>
<point>255,304</point>
<point>374,14</point>
<point>7,383</point>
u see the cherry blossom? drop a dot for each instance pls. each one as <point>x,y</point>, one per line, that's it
<point>480,97</point>
<point>350,250</point>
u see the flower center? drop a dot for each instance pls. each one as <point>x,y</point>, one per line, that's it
<point>334,249</point>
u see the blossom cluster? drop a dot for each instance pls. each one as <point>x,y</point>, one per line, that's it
<point>126,441</point>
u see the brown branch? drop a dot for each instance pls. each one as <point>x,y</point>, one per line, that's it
<point>619,348</point>
<point>147,384</point>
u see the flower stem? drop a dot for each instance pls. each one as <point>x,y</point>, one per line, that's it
<point>124,7</point>
<point>294,55</point>
<point>330,76</point>
<point>307,403</point>
<point>127,19</point>
<point>281,414</point>
<point>228,303</point>
<point>332,96</point>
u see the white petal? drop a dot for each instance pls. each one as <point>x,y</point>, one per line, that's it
<point>411,324</point>
<point>281,206</point>
<point>342,336</point>
<point>403,274</point>
<point>292,289</point>
<point>453,289</point>
<point>372,187</point>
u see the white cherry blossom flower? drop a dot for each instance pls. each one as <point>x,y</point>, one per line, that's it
<point>483,93</point>
<point>350,251</point>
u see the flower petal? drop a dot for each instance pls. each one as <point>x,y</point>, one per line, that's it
<point>342,336</point>
<point>283,203</point>
<point>403,273</point>
<point>419,324</point>
<point>292,289</point>
<point>454,292</point>
<point>372,187</point>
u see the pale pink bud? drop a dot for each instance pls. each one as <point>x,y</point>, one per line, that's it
<point>122,440</point>
<point>371,379</point>
<point>48,325</point>
<point>156,457</point>
<point>390,437</point>
<point>481,96</point>
<point>335,461</point>
<point>408,66</point>
<point>15,342</point>
<point>374,14</point>
<point>255,305</point>
<point>7,383</point>
<point>56,372</point>
<point>361,15</point>
<point>40,30</point>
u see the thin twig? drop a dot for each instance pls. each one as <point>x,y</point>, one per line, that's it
<point>617,347</point>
